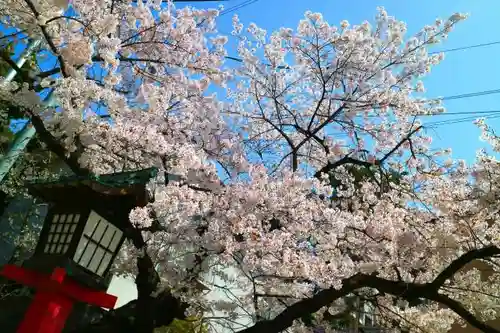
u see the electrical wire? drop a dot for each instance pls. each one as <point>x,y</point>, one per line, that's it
<point>236,7</point>
<point>461,48</point>
<point>458,121</point>
<point>469,95</point>
<point>230,10</point>
<point>461,113</point>
<point>462,96</point>
<point>486,114</point>
<point>466,47</point>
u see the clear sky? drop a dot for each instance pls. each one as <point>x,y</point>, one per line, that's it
<point>461,72</point>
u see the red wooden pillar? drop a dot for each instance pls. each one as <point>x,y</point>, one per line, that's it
<point>54,299</point>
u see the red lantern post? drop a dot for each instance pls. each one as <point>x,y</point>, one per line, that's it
<point>54,299</point>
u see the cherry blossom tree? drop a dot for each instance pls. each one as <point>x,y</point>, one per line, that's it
<point>154,49</point>
<point>313,176</point>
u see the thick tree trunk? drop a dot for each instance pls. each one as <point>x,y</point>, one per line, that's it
<point>147,282</point>
<point>162,310</point>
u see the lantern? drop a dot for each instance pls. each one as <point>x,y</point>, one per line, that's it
<point>85,224</point>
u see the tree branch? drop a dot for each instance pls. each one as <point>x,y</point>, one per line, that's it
<point>344,160</point>
<point>405,290</point>
<point>462,312</point>
<point>463,260</point>
<point>165,307</point>
<point>47,37</point>
<point>295,311</point>
<point>71,159</point>
<point>349,160</point>
<point>406,138</point>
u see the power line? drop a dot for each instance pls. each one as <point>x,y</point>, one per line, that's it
<point>466,47</point>
<point>486,114</point>
<point>461,113</point>
<point>236,7</point>
<point>471,116</point>
<point>459,120</point>
<point>461,96</point>
<point>469,95</point>
<point>227,11</point>
<point>461,48</point>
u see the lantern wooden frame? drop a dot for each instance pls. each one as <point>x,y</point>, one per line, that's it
<point>107,199</point>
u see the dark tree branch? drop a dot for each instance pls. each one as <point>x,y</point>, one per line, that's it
<point>295,311</point>
<point>463,260</point>
<point>320,127</point>
<point>400,143</point>
<point>48,73</point>
<point>349,160</point>
<point>48,39</point>
<point>71,159</point>
<point>165,307</point>
<point>404,290</point>
<point>344,160</point>
<point>464,313</point>
<point>147,282</point>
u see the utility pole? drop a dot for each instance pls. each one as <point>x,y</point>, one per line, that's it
<point>21,140</point>
<point>22,59</point>
<point>24,136</point>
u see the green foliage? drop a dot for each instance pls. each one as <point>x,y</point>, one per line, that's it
<point>189,325</point>
<point>363,173</point>
<point>7,50</point>
<point>6,136</point>
<point>359,174</point>
<point>308,320</point>
<point>341,323</point>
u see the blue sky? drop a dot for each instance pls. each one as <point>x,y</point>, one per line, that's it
<point>461,72</point>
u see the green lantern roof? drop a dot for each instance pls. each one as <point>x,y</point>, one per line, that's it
<point>115,184</point>
<point>120,179</point>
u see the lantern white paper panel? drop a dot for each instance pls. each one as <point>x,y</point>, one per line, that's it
<point>98,243</point>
